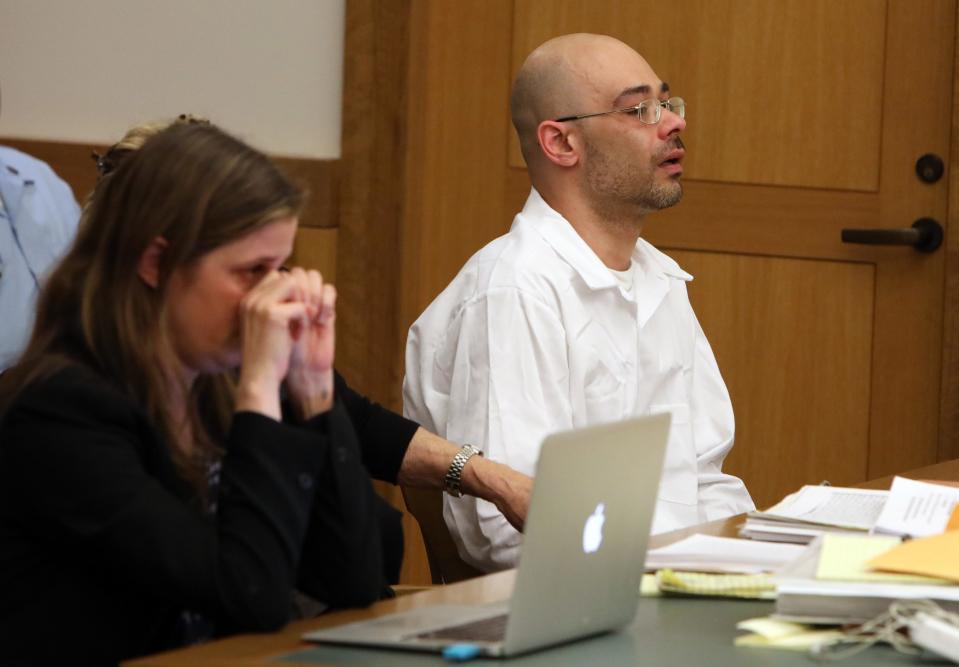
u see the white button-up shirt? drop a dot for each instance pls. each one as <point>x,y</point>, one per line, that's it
<point>536,335</point>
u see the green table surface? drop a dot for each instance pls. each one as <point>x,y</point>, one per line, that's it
<point>666,631</point>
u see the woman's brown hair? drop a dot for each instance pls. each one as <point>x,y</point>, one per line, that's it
<point>197,188</point>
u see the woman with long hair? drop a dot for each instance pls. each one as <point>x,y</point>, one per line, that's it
<point>150,494</point>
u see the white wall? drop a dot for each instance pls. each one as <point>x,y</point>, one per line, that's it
<point>86,70</point>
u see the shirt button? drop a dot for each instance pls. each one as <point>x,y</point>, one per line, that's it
<point>306,481</point>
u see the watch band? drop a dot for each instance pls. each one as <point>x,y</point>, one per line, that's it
<point>451,481</point>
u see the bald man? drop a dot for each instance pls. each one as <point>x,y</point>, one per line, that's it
<point>572,319</point>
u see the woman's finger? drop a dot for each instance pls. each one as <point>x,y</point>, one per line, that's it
<point>290,312</point>
<point>328,304</point>
<point>315,281</point>
<point>275,286</point>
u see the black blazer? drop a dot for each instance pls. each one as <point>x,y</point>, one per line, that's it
<point>103,546</point>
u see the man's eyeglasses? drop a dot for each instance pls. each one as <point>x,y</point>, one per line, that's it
<point>648,111</point>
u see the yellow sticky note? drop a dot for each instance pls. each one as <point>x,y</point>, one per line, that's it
<point>936,556</point>
<point>848,558</point>
<point>773,633</point>
<point>772,628</point>
<point>648,588</point>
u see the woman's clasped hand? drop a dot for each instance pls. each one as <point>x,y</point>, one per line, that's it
<point>288,326</point>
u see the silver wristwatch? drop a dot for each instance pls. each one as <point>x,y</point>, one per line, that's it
<point>452,480</point>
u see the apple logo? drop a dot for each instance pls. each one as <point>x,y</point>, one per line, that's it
<point>593,530</point>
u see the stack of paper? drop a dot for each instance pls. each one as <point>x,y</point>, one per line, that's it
<point>815,510</point>
<point>707,553</point>
<point>833,582</point>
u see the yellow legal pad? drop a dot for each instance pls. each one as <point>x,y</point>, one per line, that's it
<point>750,586</point>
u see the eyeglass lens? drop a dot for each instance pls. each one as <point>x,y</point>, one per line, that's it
<point>650,111</point>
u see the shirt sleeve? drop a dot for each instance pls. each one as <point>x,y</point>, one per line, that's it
<point>499,380</point>
<point>720,494</point>
<point>384,436</point>
<point>82,468</point>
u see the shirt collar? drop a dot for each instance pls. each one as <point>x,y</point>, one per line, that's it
<point>664,264</point>
<point>568,244</point>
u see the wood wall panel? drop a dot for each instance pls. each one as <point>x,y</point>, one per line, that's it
<point>320,180</point>
<point>949,416</point>
<point>909,285</point>
<point>371,194</point>
<point>761,109</point>
<point>371,213</point>
<point>460,78</point>
<point>754,312</point>
<point>315,248</point>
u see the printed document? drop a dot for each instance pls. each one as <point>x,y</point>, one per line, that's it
<point>829,506</point>
<point>917,509</point>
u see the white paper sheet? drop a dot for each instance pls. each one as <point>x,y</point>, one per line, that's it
<point>707,553</point>
<point>917,509</point>
<point>830,506</point>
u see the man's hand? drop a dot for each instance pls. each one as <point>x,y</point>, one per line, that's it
<point>428,457</point>
<point>506,488</point>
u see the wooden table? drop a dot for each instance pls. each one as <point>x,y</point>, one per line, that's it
<point>267,649</point>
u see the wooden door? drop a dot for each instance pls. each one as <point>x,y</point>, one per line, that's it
<point>805,117</point>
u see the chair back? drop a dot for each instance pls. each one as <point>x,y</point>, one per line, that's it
<point>446,566</point>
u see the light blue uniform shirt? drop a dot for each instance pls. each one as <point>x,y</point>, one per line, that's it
<point>38,220</point>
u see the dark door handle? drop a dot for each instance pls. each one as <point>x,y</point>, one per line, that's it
<point>925,235</point>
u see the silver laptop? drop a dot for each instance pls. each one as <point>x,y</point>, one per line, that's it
<point>583,552</point>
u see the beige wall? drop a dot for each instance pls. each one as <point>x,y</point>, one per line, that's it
<point>84,71</point>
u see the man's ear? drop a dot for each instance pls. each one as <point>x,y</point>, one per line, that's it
<point>148,268</point>
<point>556,143</point>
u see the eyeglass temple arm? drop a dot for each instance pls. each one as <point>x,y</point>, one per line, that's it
<point>586,115</point>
